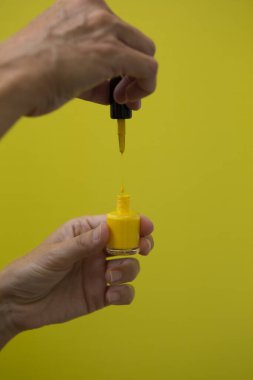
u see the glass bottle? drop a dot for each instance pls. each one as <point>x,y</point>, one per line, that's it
<point>124,226</point>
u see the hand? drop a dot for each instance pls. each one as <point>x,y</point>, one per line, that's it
<point>72,50</point>
<point>68,276</point>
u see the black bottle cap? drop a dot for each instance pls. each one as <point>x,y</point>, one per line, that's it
<point>118,111</point>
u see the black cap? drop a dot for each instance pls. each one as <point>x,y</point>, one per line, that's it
<point>118,111</point>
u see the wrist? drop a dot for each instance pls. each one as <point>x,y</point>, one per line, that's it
<point>6,330</point>
<point>5,333</point>
<point>12,101</point>
<point>17,88</point>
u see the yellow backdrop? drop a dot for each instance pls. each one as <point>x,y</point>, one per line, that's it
<point>189,159</point>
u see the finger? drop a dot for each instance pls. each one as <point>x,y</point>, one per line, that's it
<point>75,227</point>
<point>135,38</point>
<point>146,227</point>
<point>146,245</point>
<point>136,91</point>
<point>135,106</point>
<point>121,87</point>
<point>92,220</point>
<point>99,94</point>
<point>139,66</point>
<point>119,295</point>
<point>120,91</point>
<point>80,247</point>
<point>122,270</point>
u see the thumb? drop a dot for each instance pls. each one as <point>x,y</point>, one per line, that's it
<point>82,246</point>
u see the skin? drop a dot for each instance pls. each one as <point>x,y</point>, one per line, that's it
<point>67,276</point>
<point>71,50</point>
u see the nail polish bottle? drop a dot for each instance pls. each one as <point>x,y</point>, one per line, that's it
<point>124,227</point>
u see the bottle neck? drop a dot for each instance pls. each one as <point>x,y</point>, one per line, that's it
<point>123,204</point>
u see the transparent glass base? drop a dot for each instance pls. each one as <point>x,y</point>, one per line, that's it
<point>122,252</point>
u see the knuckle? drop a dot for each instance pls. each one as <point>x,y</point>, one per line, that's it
<point>101,18</point>
<point>117,25</point>
<point>76,227</point>
<point>72,227</point>
<point>74,4</point>
<point>84,241</point>
<point>107,48</point>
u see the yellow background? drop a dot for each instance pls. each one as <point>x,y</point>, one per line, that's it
<point>189,162</point>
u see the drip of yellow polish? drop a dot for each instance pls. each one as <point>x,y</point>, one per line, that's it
<point>121,134</point>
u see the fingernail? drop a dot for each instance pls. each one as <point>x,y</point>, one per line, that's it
<point>113,297</point>
<point>97,233</point>
<point>115,275</point>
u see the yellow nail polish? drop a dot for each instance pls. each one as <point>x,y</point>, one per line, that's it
<point>124,226</point>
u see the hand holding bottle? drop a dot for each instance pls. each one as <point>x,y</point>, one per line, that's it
<point>67,276</point>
